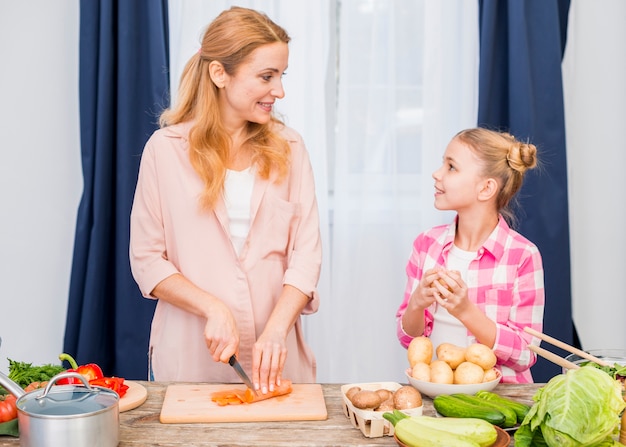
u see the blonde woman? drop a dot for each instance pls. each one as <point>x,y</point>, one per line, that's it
<point>224,225</point>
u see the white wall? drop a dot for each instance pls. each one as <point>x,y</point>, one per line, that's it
<point>594,76</point>
<point>40,174</point>
<point>41,179</point>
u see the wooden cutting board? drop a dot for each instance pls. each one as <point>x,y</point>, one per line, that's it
<point>136,394</point>
<point>192,403</point>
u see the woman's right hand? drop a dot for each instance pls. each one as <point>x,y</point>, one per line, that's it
<point>220,332</point>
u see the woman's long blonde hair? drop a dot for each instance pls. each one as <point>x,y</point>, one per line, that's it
<point>505,158</point>
<point>229,39</point>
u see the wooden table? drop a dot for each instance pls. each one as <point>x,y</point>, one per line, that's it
<point>141,426</point>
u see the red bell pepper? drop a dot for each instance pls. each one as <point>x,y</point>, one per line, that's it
<point>113,383</point>
<point>91,371</point>
<point>94,375</point>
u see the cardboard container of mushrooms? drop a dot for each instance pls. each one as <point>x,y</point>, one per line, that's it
<point>365,403</point>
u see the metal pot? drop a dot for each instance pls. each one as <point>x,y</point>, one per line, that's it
<point>66,415</point>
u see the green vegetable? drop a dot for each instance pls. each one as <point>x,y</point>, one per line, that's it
<point>520,409</point>
<point>478,430</point>
<point>579,408</point>
<point>510,418</point>
<point>24,373</point>
<point>452,406</point>
<point>415,434</point>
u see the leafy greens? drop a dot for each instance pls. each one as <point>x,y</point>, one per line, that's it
<point>579,408</point>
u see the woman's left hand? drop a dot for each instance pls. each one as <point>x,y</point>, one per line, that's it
<point>268,360</point>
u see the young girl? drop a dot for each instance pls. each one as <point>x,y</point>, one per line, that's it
<point>477,280</point>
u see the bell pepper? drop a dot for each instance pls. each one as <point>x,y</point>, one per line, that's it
<point>91,371</point>
<point>113,383</point>
<point>94,375</point>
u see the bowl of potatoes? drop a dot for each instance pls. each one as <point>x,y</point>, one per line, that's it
<point>453,369</point>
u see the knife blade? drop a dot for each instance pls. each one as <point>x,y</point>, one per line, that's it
<point>240,372</point>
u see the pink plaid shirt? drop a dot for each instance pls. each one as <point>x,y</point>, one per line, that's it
<point>505,281</point>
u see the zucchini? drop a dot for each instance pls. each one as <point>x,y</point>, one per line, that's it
<point>478,430</point>
<point>415,434</point>
<point>451,406</point>
<point>510,417</point>
<point>521,410</point>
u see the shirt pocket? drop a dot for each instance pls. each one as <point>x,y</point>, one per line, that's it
<point>498,303</point>
<point>279,228</point>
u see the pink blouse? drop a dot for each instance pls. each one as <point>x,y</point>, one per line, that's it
<point>170,233</point>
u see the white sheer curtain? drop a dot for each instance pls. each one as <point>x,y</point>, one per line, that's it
<point>377,88</point>
<point>407,83</point>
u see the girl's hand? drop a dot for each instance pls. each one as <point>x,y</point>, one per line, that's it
<point>268,360</point>
<point>451,291</point>
<point>220,333</point>
<point>425,294</point>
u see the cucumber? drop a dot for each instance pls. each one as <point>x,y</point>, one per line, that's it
<point>510,417</point>
<point>521,410</point>
<point>478,430</point>
<point>415,434</point>
<point>451,406</point>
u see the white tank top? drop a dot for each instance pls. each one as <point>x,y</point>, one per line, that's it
<point>237,195</point>
<point>447,328</point>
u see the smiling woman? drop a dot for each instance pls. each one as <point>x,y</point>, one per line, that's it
<point>224,225</point>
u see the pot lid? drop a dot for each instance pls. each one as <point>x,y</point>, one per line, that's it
<point>67,400</point>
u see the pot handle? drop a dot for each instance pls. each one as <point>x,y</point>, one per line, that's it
<point>11,386</point>
<point>65,375</point>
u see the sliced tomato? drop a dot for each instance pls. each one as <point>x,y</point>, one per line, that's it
<point>8,410</point>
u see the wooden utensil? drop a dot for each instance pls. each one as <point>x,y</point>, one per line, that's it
<point>565,347</point>
<point>553,357</point>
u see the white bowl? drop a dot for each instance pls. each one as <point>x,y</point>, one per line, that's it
<point>434,389</point>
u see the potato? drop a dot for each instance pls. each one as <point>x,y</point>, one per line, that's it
<point>468,372</point>
<point>490,374</point>
<point>443,283</point>
<point>451,354</point>
<point>481,354</point>
<point>421,371</point>
<point>352,391</point>
<point>420,350</point>
<point>384,394</point>
<point>386,405</point>
<point>407,397</point>
<point>366,399</point>
<point>440,372</point>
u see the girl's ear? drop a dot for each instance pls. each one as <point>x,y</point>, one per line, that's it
<point>488,190</point>
<point>217,73</point>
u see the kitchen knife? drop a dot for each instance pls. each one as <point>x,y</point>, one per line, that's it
<point>241,373</point>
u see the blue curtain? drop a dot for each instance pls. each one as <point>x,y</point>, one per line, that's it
<point>520,90</point>
<point>123,87</point>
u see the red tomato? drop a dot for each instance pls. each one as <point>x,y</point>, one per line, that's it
<point>8,410</point>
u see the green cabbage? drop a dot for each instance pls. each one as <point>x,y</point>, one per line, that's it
<point>579,408</point>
